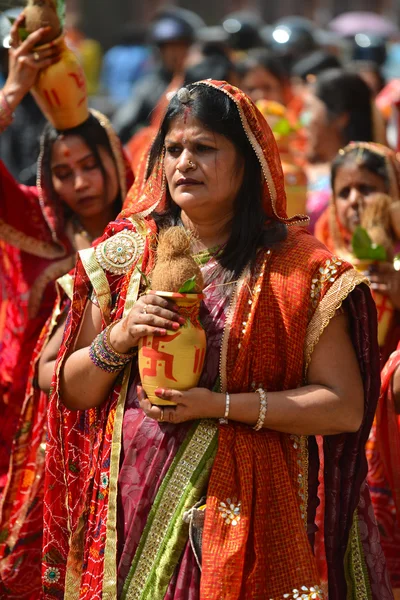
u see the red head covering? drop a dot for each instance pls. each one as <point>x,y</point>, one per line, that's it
<point>52,208</point>
<point>154,193</point>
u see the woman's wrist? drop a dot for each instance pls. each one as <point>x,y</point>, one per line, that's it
<point>218,403</point>
<point>120,340</point>
<point>13,95</point>
<point>6,113</point>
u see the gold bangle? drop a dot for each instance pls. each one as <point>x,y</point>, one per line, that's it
<point>224,420</point>
<point>263,409</point>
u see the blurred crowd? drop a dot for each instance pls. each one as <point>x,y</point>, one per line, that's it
<point>316,86</point>
<point>332,100</point>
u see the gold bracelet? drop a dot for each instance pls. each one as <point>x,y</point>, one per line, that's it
<point>224,420</point>
<point>263,409</point>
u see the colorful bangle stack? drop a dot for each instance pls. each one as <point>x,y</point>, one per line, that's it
<point>6,114</point>
<point>263,409</point>
<point>104,356</point>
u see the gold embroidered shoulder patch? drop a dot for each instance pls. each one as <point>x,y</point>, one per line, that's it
<point>120,252</point>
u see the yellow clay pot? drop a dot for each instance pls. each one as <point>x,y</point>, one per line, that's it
<point>60,90</point>
<point>174,361</point>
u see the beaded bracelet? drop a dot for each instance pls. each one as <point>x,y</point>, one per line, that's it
<point>224,420</point>
<point>6,114</point>
<point>263,409</point>
<point>104,356</point>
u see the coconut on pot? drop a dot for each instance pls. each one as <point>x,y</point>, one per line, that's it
<point>175,265</point>
<point>42,13</point>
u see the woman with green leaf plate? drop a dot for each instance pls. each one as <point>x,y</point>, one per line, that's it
<point>362,225</point>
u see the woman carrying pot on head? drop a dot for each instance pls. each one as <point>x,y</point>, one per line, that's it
<point>82,179</point>
<point>290,343</point>
<point>366,192</point>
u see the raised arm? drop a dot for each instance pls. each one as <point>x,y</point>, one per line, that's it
<point>25,63</point>
<point>16,200</point>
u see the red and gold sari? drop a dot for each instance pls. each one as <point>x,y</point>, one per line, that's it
<point>34,251</point>
<point>383,446</point>
<point>261,488</point>
<point>33,317</point>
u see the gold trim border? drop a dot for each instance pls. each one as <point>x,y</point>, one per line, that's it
<point>110,577</point>
<point>66,283</point>
<point>29,244</point>
<point>98,280</point>
<point>193,454</point>
<point>356,573</point>
<point>327,308</point>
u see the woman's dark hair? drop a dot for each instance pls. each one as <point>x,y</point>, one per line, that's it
<point>250,227</point>
<point>260,57</point>
<point>94,135</point>
<point>364,66</point>
<point>365,159</point>
<point>343,92</point>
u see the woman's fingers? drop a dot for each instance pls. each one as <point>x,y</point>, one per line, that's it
<point>169,314</point>
<point>33,40</point>
<point>139,331</point>
<point>171,395</point>
<point>159,304</point>
<point>153,412</point>
<point>46,54</point>
<point>14,36</point>
<point>155,321</point>
<point>36,63</point>
<point>156,312</point>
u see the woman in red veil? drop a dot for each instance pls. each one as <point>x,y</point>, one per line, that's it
<point>123,479</point>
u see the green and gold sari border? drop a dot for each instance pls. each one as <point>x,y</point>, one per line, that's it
<point>110,550</point>
<point>98,280</point>
<point>181,488</point>
<point>154,508</point>
<point>66,282</point>
<point>176,535</point>
<point>110,560</point>
<point>358,585</point>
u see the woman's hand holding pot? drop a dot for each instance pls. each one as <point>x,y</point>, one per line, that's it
<point>151,315</point>
<point>196,403</point>
<point>25,62</point>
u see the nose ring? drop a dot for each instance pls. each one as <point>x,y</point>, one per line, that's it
<point>192,165</point>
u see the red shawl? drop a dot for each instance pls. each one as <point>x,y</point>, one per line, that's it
<point>277,316</point>
<point>34,252</point>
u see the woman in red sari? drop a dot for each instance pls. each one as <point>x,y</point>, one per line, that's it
<point>291,352</point>
<point>82,179</point>
<point>362,175</point>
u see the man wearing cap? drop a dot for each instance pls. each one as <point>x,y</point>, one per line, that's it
<point>172,33</point>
